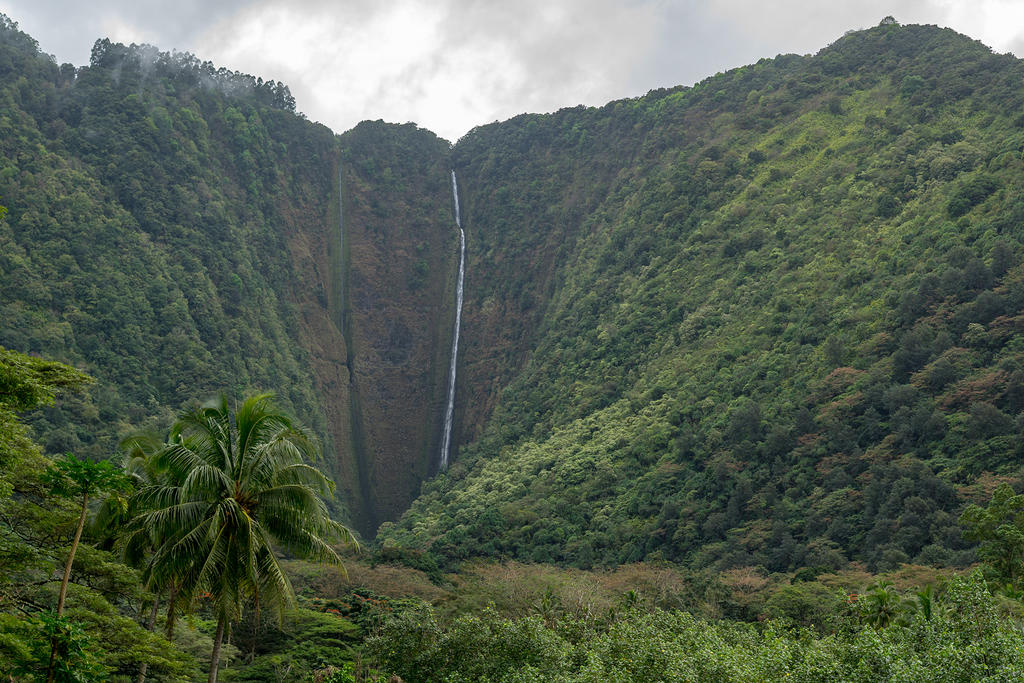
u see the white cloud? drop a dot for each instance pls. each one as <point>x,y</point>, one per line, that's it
<point>451,64</point>
<point>997,23</point>
<point>120,31</point>
<point>445,65</point>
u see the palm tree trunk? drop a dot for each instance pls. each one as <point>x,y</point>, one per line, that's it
<point>256,629</point>
<point>150,625</point>
<point>64,583</point>
<point>172,599</point>
<point>215,658</point>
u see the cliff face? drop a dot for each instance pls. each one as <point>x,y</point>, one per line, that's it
<point>397,288</point>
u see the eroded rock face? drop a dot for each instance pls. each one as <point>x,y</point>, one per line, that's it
<point>396,266</point>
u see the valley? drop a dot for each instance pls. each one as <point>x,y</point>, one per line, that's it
<point>741,335</point>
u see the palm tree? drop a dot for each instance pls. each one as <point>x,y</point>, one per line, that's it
<point>138,543</point>
<point>880,604</point>
<point>238,484</point>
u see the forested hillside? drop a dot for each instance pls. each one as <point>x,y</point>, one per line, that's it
<point>146,239</point>
<point>174,230</point>
<point>773,319</point>
<point>770,320</point>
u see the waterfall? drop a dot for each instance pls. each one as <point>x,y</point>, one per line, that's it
<point>450,406</point>
<point>455,194</point>
<point>341,259</point>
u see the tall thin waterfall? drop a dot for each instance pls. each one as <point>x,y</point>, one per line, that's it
<point>450,406</point>
<point>341,259</point>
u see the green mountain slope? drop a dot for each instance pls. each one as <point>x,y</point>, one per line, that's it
<point>144,238</point>
<point>773,319</point>
<point>174,230</point>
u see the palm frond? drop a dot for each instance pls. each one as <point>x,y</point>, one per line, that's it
<point>214,499</point>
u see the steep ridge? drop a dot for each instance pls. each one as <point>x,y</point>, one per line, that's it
<point>149,230</point>
<point>769,320</point>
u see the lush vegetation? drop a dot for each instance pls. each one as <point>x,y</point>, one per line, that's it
<point>197,529</point>
<point>498,623</point>
<point>734,357</point>
<point>959,637</point>
<point>226,488</point>
<point>771,320</point>
<point>41,507</point>
<point>150,199</point>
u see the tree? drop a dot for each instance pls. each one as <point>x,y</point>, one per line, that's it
<point>880,605</point>
<point>26,383</point>
<point>80,479</point>
<point>139,544</point>
<point>999,529</point>
<point>245,484</point>
<point>77,661</point>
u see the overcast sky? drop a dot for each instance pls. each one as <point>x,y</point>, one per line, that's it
<point>449,65</point>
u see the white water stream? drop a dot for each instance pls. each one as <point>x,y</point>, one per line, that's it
<point>449,411</point>
<point>341,259</point>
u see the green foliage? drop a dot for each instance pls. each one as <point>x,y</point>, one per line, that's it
<point>136,202</point>
<point>239,482</point>
<point>413,559</point>
<point>806,604</point>
<point>770,320</point>
<point>475,647</point>
<point>879,605</point>
<point>971,193</point>
<point>304,642</point>
<point>733,325</point>
<point>332,674</point>
<point>93,639</point>
<point>26,383</point>
<point>76,660</point>
<point>967,641</point>
<point>74,478</point>
<point>999,530</point>
<point>70,477</point>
